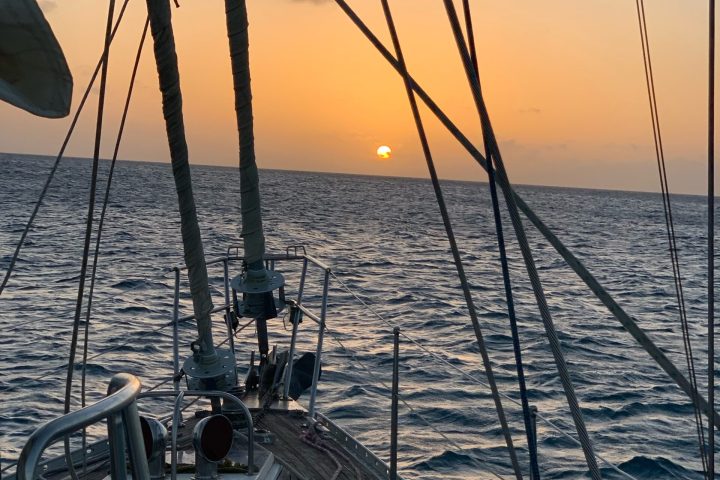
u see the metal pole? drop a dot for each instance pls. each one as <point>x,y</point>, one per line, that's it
<point>295,319</point>
<point>136,445</point>
<point>177,419</point>
<point>301,288</point>
<point>176,340</point>
<point>394,407</point>
<point>116,439</point>
<point>318,351</point>
<point>598,290</point>
<point>228,322</point>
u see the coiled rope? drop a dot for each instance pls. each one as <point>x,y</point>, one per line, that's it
<point>669,226</point>
<point>453,243</point>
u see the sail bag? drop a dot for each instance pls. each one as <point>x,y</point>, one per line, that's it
<point>34,75</point>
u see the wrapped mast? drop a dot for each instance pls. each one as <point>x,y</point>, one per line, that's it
<point>208,368</point>
<point>252,227</point>
<point>256,284</point>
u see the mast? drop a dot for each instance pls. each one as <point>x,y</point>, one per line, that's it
<point>167,66</point>
<point>256,283</point>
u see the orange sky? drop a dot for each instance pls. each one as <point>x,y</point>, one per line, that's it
<point>563,81</point>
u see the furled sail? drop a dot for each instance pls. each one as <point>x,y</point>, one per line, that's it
<point>34,75</point>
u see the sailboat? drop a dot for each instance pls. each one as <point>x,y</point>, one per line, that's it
<point>252,425</point>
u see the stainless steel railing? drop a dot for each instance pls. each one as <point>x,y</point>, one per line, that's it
<point>292,253</point>
<point>120,409</point>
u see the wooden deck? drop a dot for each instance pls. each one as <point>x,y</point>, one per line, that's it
<point>306,454</point>
<point>296,448</point>
<point>305,451</point>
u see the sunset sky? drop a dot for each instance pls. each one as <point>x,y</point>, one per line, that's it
<point>563,81</point>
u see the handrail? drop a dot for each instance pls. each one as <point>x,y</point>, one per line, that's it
<point>123,391</point>
<point>268,256</point>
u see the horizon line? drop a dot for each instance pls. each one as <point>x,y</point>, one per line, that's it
<point>447,179</point>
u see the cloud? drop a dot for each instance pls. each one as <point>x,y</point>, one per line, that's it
<point>532,110</point>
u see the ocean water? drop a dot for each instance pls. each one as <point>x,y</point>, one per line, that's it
<point>384,239</point>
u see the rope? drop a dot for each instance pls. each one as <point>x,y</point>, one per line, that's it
<point>412,410</point>
<point>525,249</point>
<point>572,261</point>
<point>102,301</point>
<point>100,228</point>
<point>669,224</point>
<point>531,440</point>
<point>59,157</point>
<point>112,349</point>
<point>314,441</point>
<point>88,231</point>
<point>95,356</point>
<point>453,243</point>
<point>711,238</point>
<point>106,202</point>
<point>464,373</point>
<point>154,387</point>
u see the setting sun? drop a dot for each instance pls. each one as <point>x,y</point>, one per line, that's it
<point>384,152</point>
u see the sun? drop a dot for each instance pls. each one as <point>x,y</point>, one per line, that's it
<point>384,152</point>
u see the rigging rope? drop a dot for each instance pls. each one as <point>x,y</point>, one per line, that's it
<point>102,301</point>
<point>101,222</point>
<point>453,244</point>
<point>464,373</point>
<point>106,199</point>
<point>88,230</point>
<point>711,238</point>
<point>669,225</point>
<point>531,440</point>
<point>628,322</point>
<point>412,410</point>
<point>525,247</point>
<point>91,208</point>
<point>95,356</point>
<point>59,157</point>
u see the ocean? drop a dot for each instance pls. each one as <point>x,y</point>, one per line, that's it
<point>385,241</point>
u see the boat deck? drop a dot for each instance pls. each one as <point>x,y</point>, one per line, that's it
<point>306,449</point>
<point>289,445</point>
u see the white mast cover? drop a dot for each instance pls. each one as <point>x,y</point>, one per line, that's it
<point>34,75</point>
